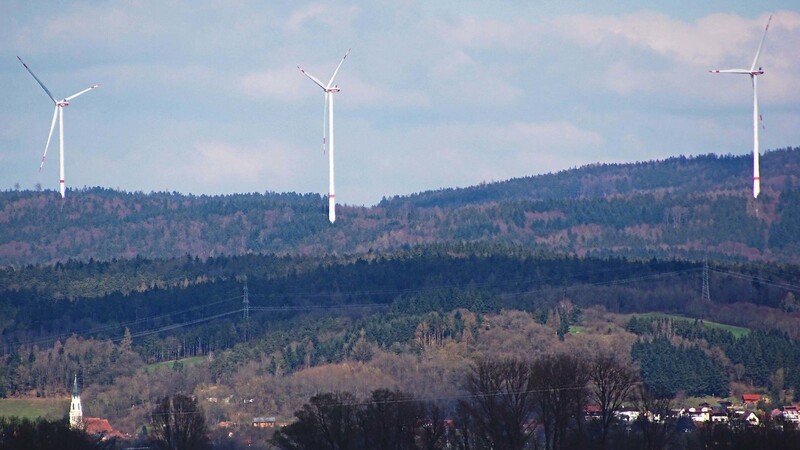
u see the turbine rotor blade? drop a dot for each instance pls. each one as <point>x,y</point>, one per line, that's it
<point>49,137</point>
<point>38,80</point>
<point>330,83</point>
<point>739,71</point>
<point>82,92</point>
<point>761,44</point>
<point>312,77</point>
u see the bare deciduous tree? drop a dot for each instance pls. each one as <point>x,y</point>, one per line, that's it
<point>657,424</point>
<point>501,404</point>
<point>328,421</point>
<point>611,383</point>
<point>559,382</point>
<point>179,424</point>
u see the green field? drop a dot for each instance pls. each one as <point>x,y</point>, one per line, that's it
<point>187,362</point>
<point>48,408</point>
<point>736,331</point>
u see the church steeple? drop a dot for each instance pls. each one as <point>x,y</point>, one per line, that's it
<point>75,411</point>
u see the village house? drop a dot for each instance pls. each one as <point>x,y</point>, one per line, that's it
<point>101,428</point>
<point>719,417</point>
<point>750,399</point>
<point>701,414</point>
<point>791,414</point>
<point>752,419</point>
<point>591,412</point>
<point>268,422</point>
<point>264,422</point>
<point>627,414</point>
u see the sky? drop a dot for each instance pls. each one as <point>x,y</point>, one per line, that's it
<point>204,97</point>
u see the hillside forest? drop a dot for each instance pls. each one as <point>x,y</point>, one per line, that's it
<point>685,207</point>
<point>495,316</point>
<point>413,322</point>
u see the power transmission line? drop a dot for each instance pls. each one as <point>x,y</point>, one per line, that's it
<point>246,308</point>
<point>782,285</point>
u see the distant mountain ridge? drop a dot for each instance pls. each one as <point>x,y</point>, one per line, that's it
<point>682,207</point>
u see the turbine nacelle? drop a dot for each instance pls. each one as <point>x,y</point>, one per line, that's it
<point>62,103</point>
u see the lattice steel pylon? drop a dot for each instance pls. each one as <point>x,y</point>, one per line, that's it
<point>706,291</point>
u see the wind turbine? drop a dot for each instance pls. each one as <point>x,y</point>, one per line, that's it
<point>754,73</point>
<point>327,123</point>
<point>58,113</point>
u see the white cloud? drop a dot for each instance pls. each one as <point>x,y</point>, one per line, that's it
<point>698,44</point>
<point>712,39</point>
<point>461,154</point>
<point>322,13</point>
<point>221,166</point>
<point>688,50</point>
<point>560,135</point>
<point>103,23</point>
<point>364,93</point>
<point>477,33</point>
<point>284,84</point>
<point>289,85</point>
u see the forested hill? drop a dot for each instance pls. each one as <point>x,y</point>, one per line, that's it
<point>679,176</point>
<point>678,208</point>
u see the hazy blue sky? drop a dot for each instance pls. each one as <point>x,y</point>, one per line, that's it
<point>204,97</point>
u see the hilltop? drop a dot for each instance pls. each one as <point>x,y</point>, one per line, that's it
<point>682,207</point>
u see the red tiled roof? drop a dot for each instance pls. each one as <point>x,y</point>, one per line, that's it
<point>96,425</point>
<point>751,397</point>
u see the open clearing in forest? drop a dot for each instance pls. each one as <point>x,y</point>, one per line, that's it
<point>48,408</point>
<point>736,331</point>
<point>186,362</point>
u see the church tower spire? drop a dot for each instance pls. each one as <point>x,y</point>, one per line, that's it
<point>75,411</point>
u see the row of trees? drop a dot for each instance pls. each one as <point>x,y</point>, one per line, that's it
<point>516,404</point>
<point>40,434</point>
<point>521,405</point>
<point>509,404</point>
<point>388,419</point>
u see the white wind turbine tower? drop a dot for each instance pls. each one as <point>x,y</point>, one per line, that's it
<point>754,73</point>
<point>58,113</point>
<point>327,124</point>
